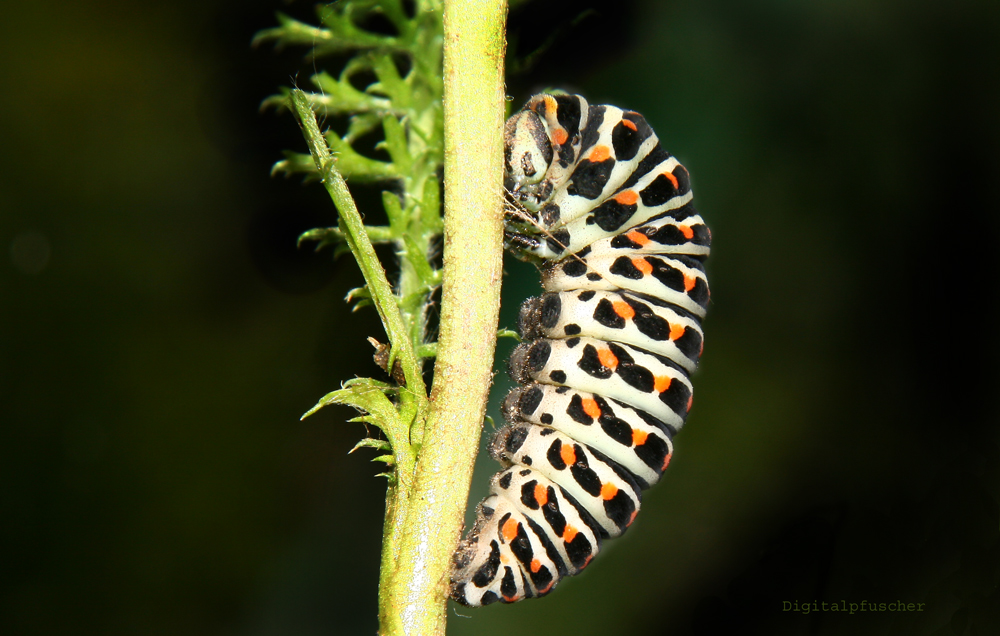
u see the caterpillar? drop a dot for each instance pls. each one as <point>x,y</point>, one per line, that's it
<point>607,349</point>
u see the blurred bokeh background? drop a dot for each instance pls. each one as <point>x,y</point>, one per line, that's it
<point>160,333</point>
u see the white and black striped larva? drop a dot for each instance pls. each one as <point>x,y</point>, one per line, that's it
<point>604,369</point>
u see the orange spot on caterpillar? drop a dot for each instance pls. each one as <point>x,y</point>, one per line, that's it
<point>670,176</point>
<point>509,530</point>
<point>511,599</point>
<point>639,437</point>
<point>661,383</point>
<point>569,533</point>
<point>559,136</point>
<point>689,282</point>
<point>637,237</point>
<point>591,408</point>
<point>627,197</point>
<point>550,106</point>
<point>623,309</point>
<point>686,231</point>
<point>676,331</point>
<point>568,454</point>
<point>536,565</point>
<point>632,518</point>
<point>701,349</point>
<point>642,265</point>
<point>690,402</point>
<point>666,461</point>
<point>599,154</point>
<point>545,590</point>
<point>628,124</point>
<point>541,494</point>
<point>607,358</point>
<point>608,491</point>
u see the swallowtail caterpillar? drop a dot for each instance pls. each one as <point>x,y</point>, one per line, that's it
<point>608,348</point>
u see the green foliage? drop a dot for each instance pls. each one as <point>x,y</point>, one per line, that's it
<point>370,396</point>
<point>402,102</point>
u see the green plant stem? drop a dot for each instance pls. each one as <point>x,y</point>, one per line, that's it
<point>416,602</point>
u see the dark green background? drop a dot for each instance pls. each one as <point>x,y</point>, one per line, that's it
<point>154,476</point>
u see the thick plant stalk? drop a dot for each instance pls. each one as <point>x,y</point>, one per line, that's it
<point>416,602</point>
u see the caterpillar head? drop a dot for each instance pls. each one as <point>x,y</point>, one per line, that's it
<point>528,153</point>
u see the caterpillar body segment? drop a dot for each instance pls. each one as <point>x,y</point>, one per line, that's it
<point>675,279</point>
<point>642,445</point>
<point>616,316</point>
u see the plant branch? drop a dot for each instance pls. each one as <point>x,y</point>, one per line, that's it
<point>354,231</point>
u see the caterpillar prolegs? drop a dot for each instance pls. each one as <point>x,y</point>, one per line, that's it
<point>608,347</point>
